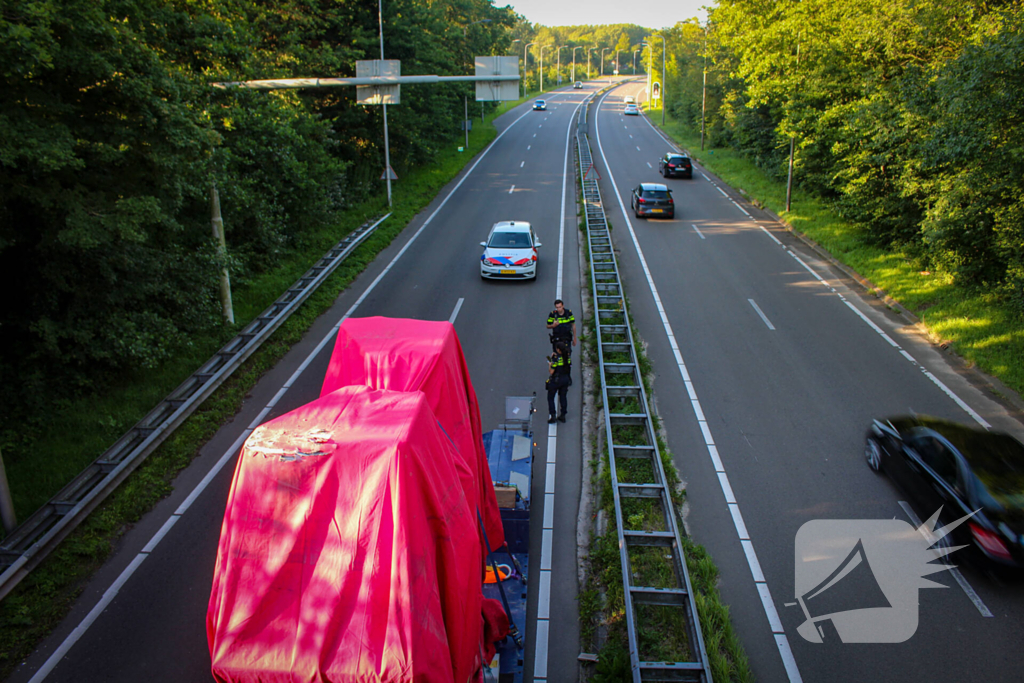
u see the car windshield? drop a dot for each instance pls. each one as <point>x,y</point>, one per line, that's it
<point>677,160</point>
<point>540,101</point>
<point>997,461</point>
<point>510,240</point>
<point>655,194</point>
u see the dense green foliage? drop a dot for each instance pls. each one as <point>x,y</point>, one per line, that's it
<point>907,117</point>
<point>591,42</point>
<point>111,137</point>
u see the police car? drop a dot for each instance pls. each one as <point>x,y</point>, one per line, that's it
<point>510,252</point>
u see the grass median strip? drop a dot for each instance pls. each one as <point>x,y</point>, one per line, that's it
<point>661,634</point>
<point>31,611</point>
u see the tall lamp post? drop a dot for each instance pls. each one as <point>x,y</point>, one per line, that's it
<point>542,67</point>
<point>663,50</point>
<point>704,89</point>
<point>387,147</point>
<point>558,69</point>
<point>602,60</point>
<point>617,62</point>
<point>634,61</point>
<point>589,50</point>
<point>526,55</point>
<point>578,47</point>
<point>523,79</point>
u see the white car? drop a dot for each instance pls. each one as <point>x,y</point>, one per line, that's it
<point>510,252</point>
<point>631,110</point>
<point>629,99</point>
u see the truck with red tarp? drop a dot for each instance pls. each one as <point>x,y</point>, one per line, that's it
<point>357,527</point>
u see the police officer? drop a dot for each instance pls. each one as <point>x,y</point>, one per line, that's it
<point>562,324</point>
<point>559,367</point>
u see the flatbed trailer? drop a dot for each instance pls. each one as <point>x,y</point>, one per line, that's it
<point>510,456</point>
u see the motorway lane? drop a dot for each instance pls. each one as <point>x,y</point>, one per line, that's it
<point>154,629</point>
<point>787,408</point>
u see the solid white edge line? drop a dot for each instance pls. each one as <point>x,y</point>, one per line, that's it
<point>84,625</point>
<point>91,617</point>
<point>722,191</point>
<point>964,585</point>
<point>761,313</point>
<point>723,480</point>
<point>549,477</point>
<point>806,267</point>
<point>546,539</point>
<point>791,669</point>
<point>455,313</point>
<point>159,535</point>
<point>755,566</point>
<point>697,230</point>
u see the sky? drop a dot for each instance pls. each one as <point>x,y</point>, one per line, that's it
<point>655,15</point>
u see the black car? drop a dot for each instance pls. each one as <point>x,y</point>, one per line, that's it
<point>675,164</point>
<point>962,469</point>
<point>578,85</point>
<point>652,199</point>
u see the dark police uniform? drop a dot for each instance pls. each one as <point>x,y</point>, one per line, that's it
<point>562,330</point>
<point>559,383</point>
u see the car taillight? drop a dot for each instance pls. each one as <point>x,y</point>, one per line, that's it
<point>670,201</point>
<point>989,542</point>
<point>641,200</point>
<point>671,165</point>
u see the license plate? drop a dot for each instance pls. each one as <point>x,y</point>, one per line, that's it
<point>507,272</point>
<point>657,210</point>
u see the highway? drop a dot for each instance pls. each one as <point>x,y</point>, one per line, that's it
<point>781,366</point>
<point>151,624</point>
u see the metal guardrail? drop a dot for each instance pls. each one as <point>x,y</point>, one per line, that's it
<point>645,520</point>
<point>30,543</point>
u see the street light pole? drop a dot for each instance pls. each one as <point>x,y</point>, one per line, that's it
<point>704,89</point>
<point>662,92</point>
<point>602,61</point>
<point>526,56</point>
<point>387,146</point>
<point>634,61</point>
<point>792,143</point>
<point>542,67</point>
<point>578,47</point>
<point>589,50</point>
<point>558,69</point>
<point>523,81</point>
<point>617,62</point>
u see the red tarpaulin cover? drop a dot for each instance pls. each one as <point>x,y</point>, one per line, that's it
<point>422,355</point>
<point>342,554</point>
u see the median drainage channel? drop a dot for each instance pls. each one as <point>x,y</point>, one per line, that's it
<point>663,633</point>
<point>649,602</point>
<point>34,539</point>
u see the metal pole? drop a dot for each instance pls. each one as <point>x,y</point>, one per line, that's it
<point>704,90</point>
<point>616,62</point>
<point>664,53</point>
<point>792,144</point>
<point>589,50</point>
<point>578,47</point>
<point>526,56</point>
<point>789,180</point>
<point>541,79</point>
<point>10,521</point>
<point>602,61</point>
<point>227,310</point>
<point>387,145</point>
<point>634,61</point>
<point>465,124</point>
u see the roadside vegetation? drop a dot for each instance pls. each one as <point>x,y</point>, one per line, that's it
<point>906,120</point>
<point>45,596</point>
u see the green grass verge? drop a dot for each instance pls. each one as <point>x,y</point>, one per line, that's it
<point>983,330</point>
<point>32,609</point>
<point>661,630</point>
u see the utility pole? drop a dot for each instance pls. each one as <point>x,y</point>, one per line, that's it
<point>387,146</point>
<point>227,311</point>
<point>792,143</point>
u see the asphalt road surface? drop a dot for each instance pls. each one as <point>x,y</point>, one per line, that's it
<point>151,624</point>
<point>779,372</point>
